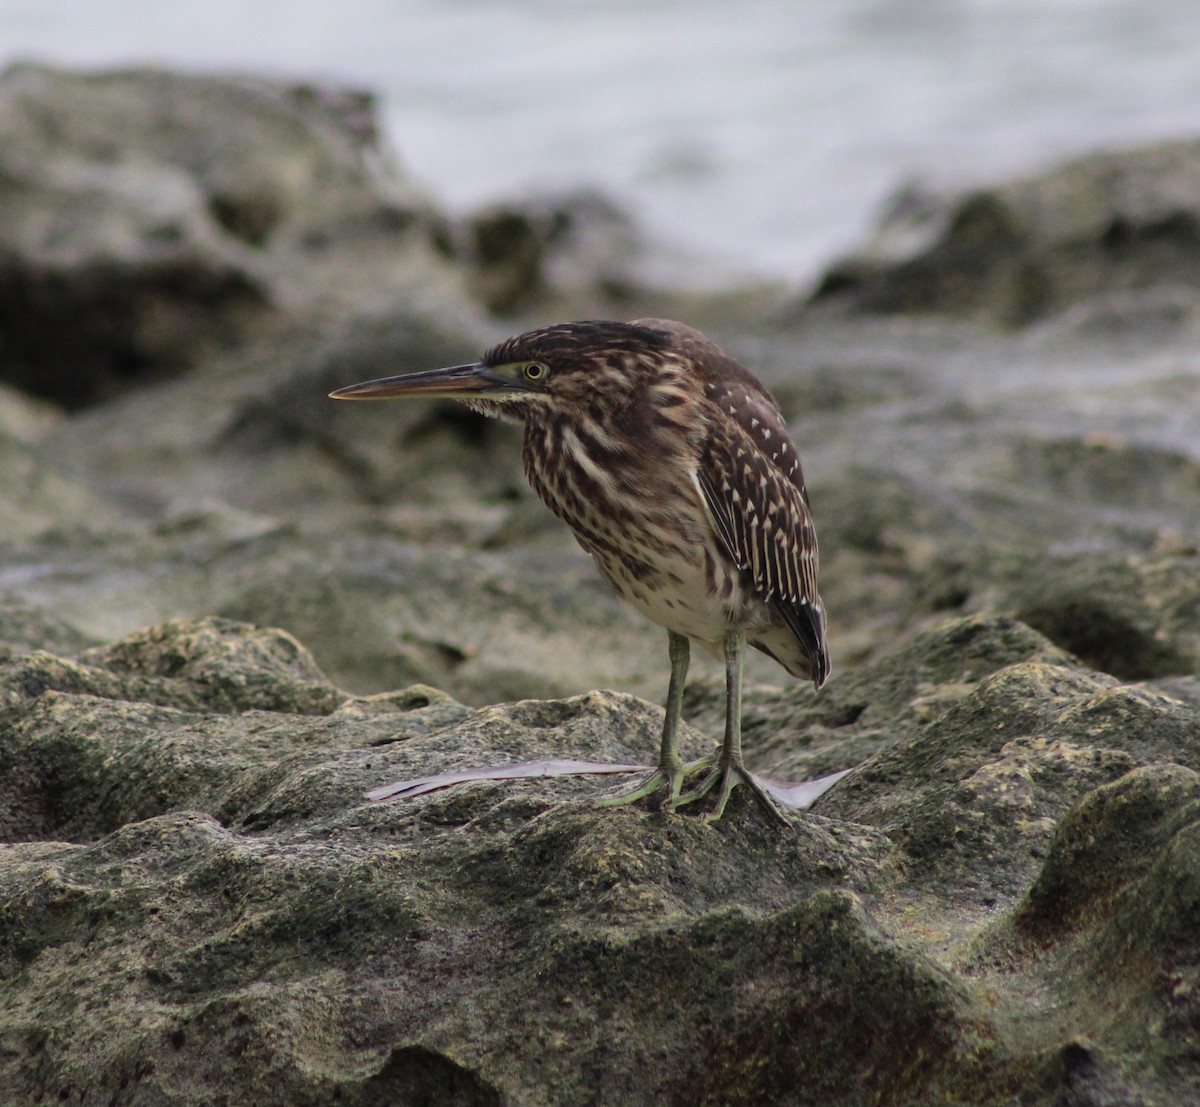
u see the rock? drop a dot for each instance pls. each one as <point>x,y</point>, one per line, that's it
<point>803,736</point>
<point>171,218</point>
<point>581,255</point>
<point>1107,223</point>
<point>528,254</point>
<point>37,492</point>
<point>946,462</point>
<point>257,430</point>
<point>380,610</point>
<point>193,865</point>
<point>951,472</point>
<point>1100,848</point>
<point>1115,901</point>
<point>25,627</point>
<point>1132,616</point>
<point>139,740</point>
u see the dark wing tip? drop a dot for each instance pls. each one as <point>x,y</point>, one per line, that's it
<point>821,668</point>
<point>807,622</point>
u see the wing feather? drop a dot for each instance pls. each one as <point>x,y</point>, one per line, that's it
<point>751,481</point>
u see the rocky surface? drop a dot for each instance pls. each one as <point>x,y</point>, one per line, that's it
<point>169,218</point>
<point>1025,249</point>
<point>197,897</point>
<point>229,608</point>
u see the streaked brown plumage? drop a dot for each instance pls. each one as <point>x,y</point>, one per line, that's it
<point>673,467</point>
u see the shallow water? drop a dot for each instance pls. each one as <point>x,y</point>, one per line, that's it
<point>765,134</point>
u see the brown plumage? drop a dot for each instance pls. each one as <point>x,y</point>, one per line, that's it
<point>673,467</point>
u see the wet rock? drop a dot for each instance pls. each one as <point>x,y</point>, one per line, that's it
<point>949,465</point>
<point>37,491</point>
<point>1114,902</point>
<point>951,472</point>
<point>379,609</point>
<point>1101,845</point>
<point>1107,223</point>
<point>1133,616</point>
<point>125,731</point>
<point>537,253</point>
<point>24,627</point>
<point>169,218</point>
<point>258,432</point>
<point>209,885</point>
<point>798,735</point>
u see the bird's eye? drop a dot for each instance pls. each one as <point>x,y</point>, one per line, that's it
<point>535,371</point>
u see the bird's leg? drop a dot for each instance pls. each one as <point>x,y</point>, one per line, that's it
<point>671,770</point>
<point>670,764</point>
<point>730,771</point>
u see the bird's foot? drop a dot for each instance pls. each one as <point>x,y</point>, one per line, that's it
<point>670,777</point>
<point>729,774</point>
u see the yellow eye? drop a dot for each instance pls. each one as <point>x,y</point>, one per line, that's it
<point>535,371</point>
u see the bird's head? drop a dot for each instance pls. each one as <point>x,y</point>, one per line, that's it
<point>562,369</point>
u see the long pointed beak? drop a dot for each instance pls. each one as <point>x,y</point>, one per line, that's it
<point>459,381</point>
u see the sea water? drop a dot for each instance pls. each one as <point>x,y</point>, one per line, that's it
<point>762,134</point>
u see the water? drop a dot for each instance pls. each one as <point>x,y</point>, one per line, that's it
<point>763,134</point>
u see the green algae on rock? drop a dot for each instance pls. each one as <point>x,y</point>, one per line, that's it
<point>198,902</point>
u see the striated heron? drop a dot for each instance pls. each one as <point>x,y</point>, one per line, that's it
<point>674,469</point>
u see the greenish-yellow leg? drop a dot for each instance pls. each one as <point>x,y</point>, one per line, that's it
<point>729,770</point>
<point>671,771</point>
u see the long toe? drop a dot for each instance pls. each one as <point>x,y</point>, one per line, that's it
<point>656,780</point>
<point>670,780</point>
<point>705,785</point>
<point>730,777</point>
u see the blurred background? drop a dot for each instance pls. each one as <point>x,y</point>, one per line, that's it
<point>762,135</point>
<point>958,239</point>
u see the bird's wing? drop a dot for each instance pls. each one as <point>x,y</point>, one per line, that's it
<point>749,474</point>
